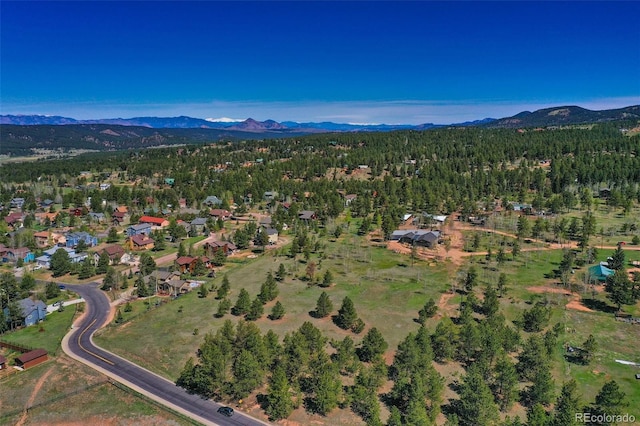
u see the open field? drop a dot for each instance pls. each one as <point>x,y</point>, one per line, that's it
<point>386,290</point>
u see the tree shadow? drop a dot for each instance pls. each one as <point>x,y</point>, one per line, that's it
<point>599,305</point>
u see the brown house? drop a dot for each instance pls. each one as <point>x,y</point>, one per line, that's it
<point>114,251</point>
<point>41,239</point>
<point>220,214</point>
<point>210,248</point>
<point>29,359</point>
<point>119,218</point>
<point>185,263</point>
<point>188,263</point>
<point>140,242</point>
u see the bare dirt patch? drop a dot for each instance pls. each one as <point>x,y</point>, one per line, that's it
<point>573,303</point>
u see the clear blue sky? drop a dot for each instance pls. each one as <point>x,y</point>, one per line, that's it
<point>391,62</point>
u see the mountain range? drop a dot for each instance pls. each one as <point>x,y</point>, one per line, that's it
<point>22,135</point>
<point>556,116</point>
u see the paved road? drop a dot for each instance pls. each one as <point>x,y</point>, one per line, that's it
<point>79,345</point>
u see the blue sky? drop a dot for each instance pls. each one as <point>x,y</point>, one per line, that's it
<point>361,62</point>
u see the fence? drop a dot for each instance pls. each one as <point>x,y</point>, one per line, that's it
<point>15,346</point>
<point>51,400</point>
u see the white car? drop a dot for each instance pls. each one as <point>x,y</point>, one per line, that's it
<point>36,268</point>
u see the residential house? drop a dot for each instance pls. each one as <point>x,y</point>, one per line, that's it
<point>119,218</point>
<point>140,242</point>
<point>41,239</point>
<point>14,219</point>
<point>188,263</point>
<point>265,222</point>
<point>211,247</point>
<point>12,255</point>
<point>418,237</point>
<point>139,229</point>
<point>45,259</point>
<point>17,203</point>
<point>155,222</point>
<point>270,195</point>
<point>307,215</point>
<point>114,251</point>
<point>159,279</point>
<point>169,181</point>
<point>3,250</point>
<point>177,286</point>
<point>273,235</point>
<point>74,238</point>
<point>521,207</point>
<point>41,217</point>
<point>47,203</point>
<point>97,217</point>
<point>220,214</point>
<point>198,225</point>
<point>33,310</point>
<point>212,200</point>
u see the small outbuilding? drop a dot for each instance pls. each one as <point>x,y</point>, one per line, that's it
<point>32,358</point>
<point>3,362</point>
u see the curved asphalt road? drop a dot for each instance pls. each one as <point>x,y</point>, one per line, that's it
<point>79,345</point>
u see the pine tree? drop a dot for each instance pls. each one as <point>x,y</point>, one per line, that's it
<point>505,382</point>
<point>242,304</point>
<point>327,279</point>
<point>87,270</point>
<point>537,416</point>
<point>247,374</point>
<point>541,391</point>
<point>347,315</point>
<point>567,406</point>
<point>476,405</point>
<point>428,311</point>
<point>268,290</point>
<point>610,400</point>
<point>119,317</point>
<point>281,273</point>
<point>223,307</point>
<point>444,340</point>
<point>373,345</point>
<point>255,311</point>
<point>223,290</point>
<point>279,403</point>
<point>490,304</point>
<point>103,263</point>
<point>277,311</point>
<point>324,306</point>
<point>203,292</point>
<point>588,349</point>
<point>502,285</point>
<point>109,280</point>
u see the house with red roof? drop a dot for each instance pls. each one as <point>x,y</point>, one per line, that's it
<point>155,222</point>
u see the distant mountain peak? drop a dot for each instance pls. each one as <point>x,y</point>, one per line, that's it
<point>225,120</point>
